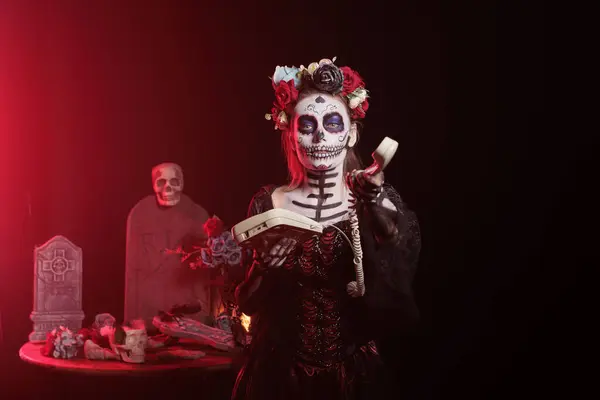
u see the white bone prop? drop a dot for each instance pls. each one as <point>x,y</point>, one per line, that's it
<point>167,182</point>
<point>197,331</point>
<point>93,351</point>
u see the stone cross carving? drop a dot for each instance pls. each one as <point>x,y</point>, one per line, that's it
<point>56,287</point>
<point>155,281</point>
<point>59,265</point>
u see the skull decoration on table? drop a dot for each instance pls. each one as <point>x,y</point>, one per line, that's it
<point>167,181</point>
<point>132,347</point>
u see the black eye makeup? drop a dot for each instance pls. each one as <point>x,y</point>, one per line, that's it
<point>333,122</point>
<point>307,124</point>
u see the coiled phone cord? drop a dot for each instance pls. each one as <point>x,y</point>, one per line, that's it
<point>355,288</point>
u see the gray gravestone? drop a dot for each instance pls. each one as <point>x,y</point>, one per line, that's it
<point>155,281</point>
<point>56,287</point>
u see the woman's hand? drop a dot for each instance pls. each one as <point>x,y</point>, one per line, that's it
<point>365,187</point>
<point>276,255</point>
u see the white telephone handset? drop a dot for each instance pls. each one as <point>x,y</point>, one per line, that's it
<point>382,155</point>
<point>274,224</point>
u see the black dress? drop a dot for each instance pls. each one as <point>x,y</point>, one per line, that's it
<point>310,339</point>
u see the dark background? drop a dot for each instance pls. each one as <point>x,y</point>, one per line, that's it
<point>95,93</point>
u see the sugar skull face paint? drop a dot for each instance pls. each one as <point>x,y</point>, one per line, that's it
<point>323,131</point>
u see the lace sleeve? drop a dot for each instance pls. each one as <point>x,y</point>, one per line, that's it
<point>261,201</point>
<point>409,232</point>
<point>390,266</point>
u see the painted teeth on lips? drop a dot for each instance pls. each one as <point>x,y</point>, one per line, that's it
<point>327,150</point>
<point>324,154</point>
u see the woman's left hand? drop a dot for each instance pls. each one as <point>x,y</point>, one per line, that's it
<point>365,187</point>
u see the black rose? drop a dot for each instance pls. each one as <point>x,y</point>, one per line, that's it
<point>328,78</point>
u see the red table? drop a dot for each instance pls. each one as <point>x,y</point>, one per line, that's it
<point>212,361</point>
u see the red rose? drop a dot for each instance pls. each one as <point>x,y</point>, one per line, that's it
<point>360,110</point>
<point>285,94</point>
<point>213,226</point>
<point>352,81</point>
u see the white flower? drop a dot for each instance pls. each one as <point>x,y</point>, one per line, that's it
<point>312,67</point>
<point>327,61</point>
<point>286,74</point>
<point>283,119</point>
<point>357,97</point>
<point>280,122</point>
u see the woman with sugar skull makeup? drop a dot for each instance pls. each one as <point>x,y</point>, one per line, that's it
<point>312,336</point>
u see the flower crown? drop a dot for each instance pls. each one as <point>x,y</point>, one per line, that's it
<point>324,76</point>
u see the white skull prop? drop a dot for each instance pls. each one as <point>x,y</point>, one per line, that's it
<point>167,181</point>
<point>134,348</point>
<point>323,131</point>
